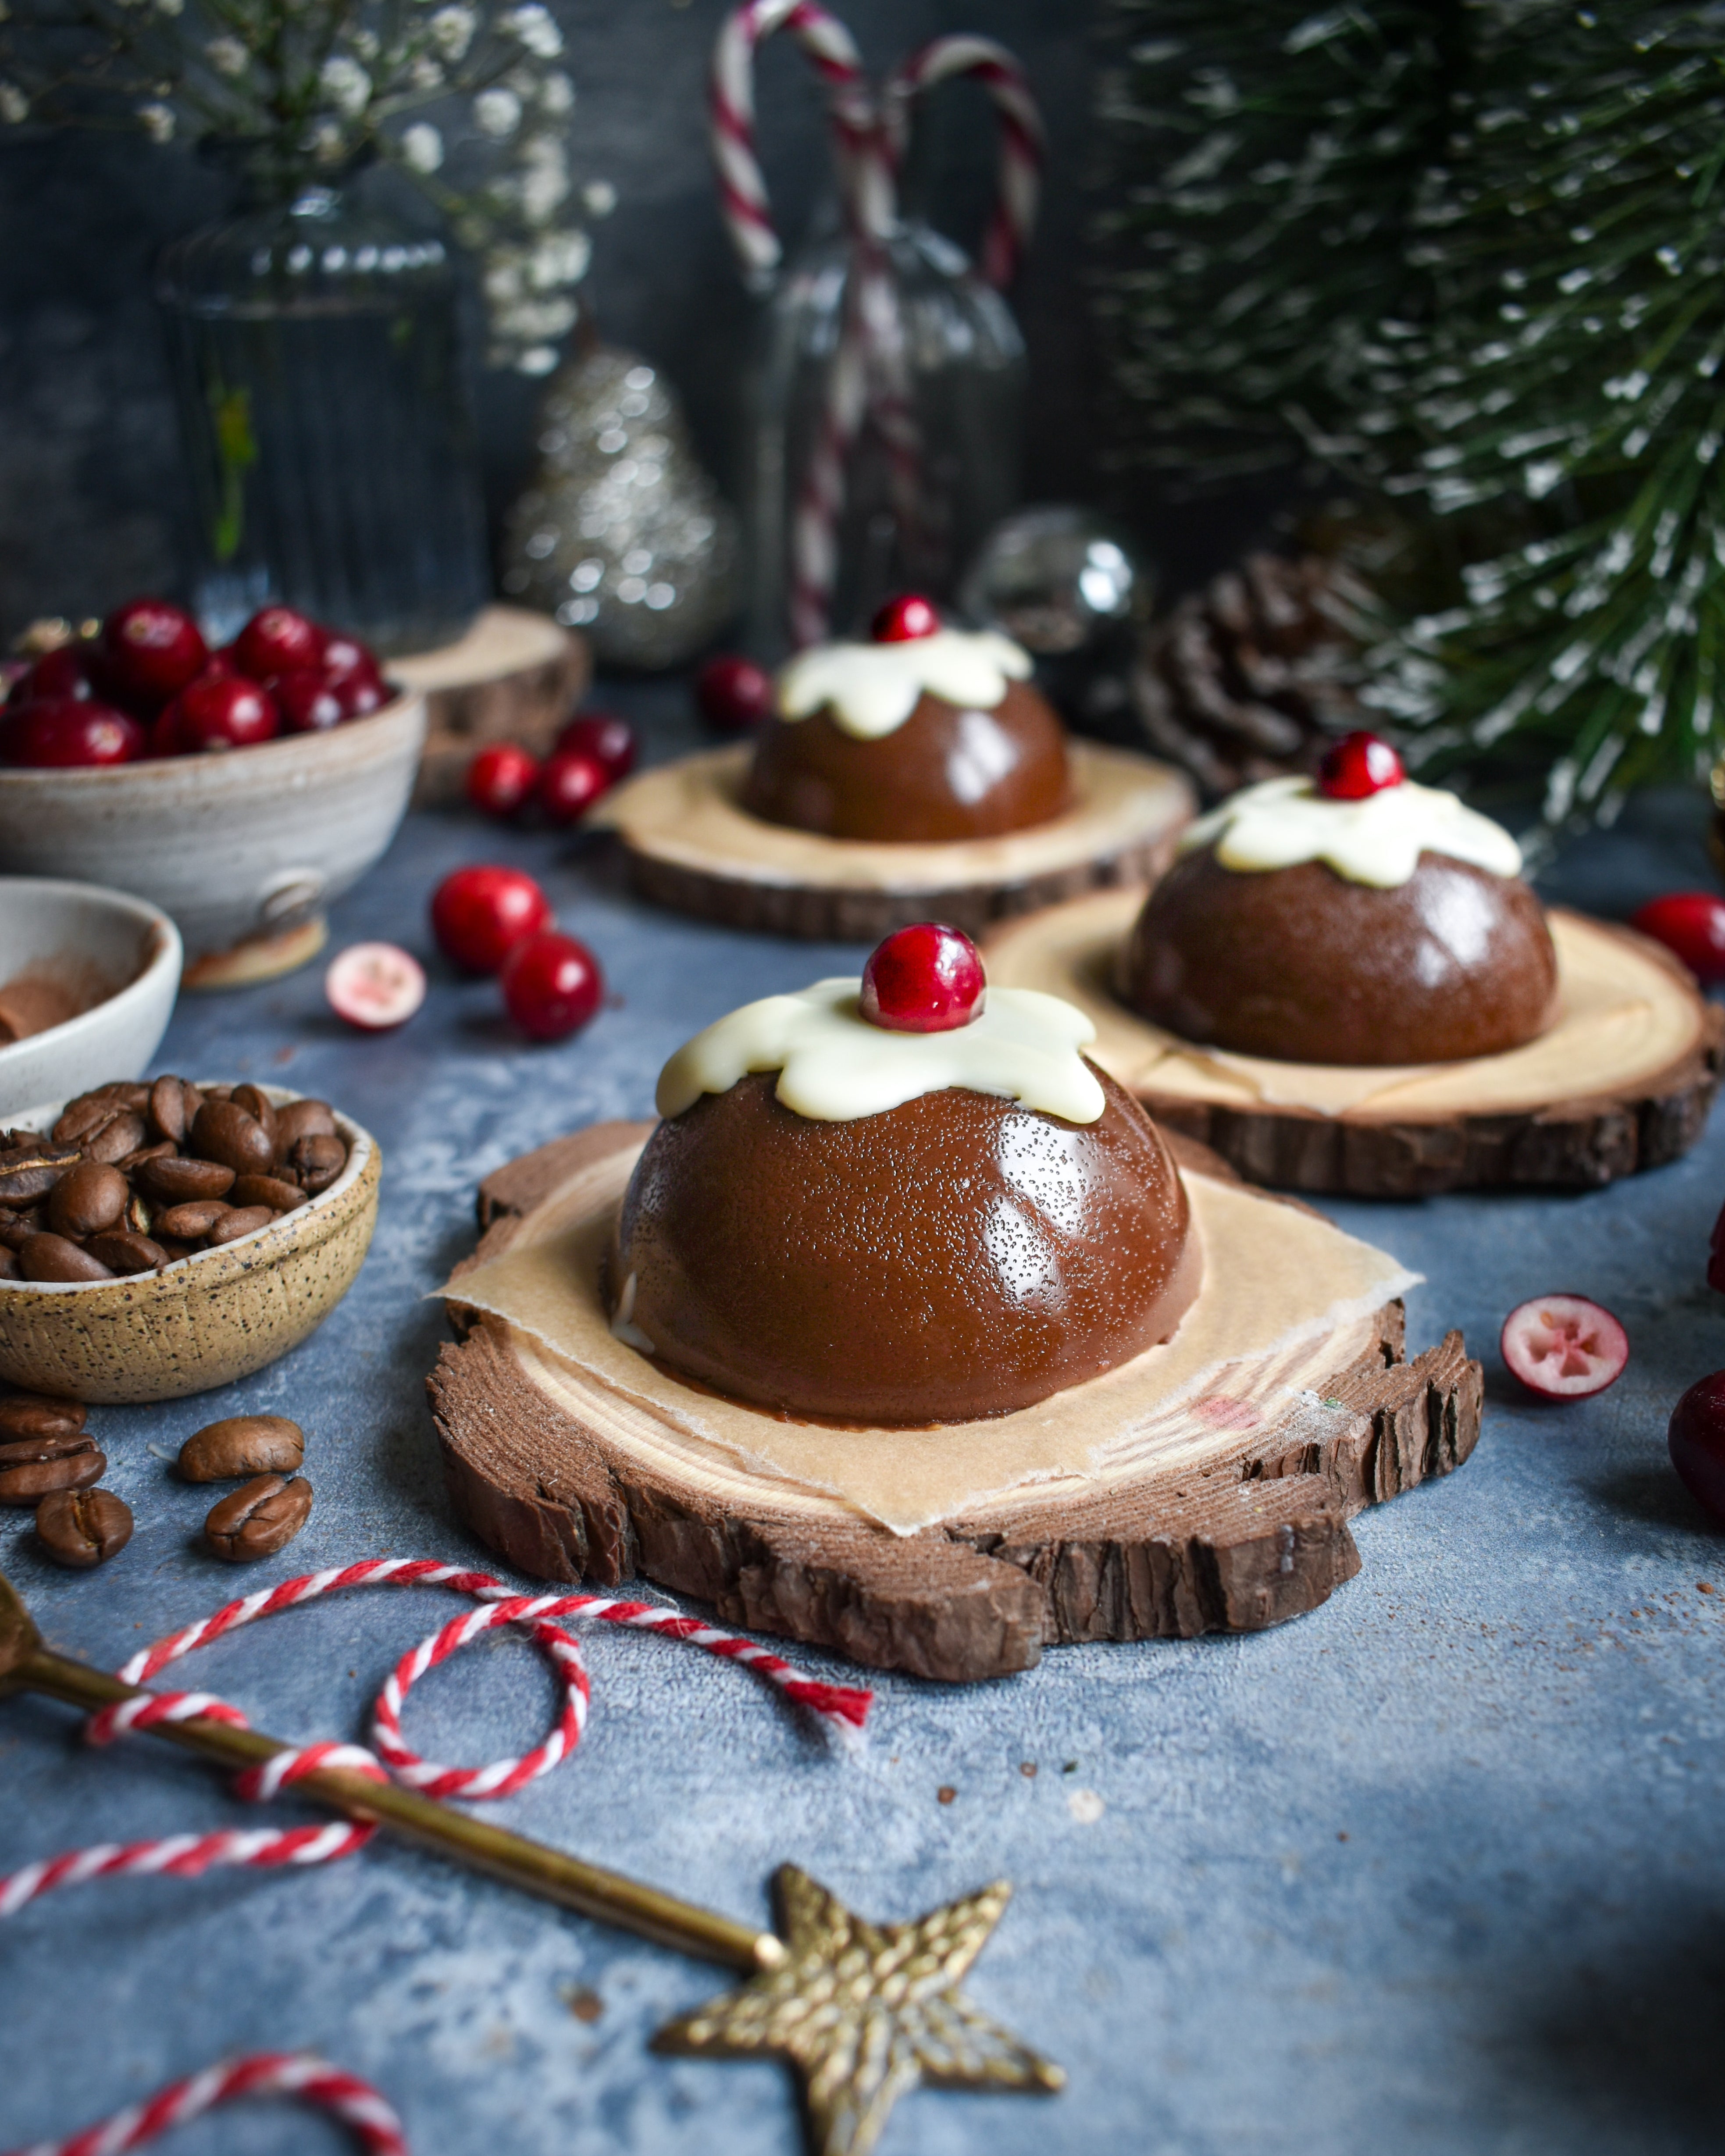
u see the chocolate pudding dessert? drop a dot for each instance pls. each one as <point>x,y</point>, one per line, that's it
<point>1311,923</point>
<point>844,1218</point>
<point>926,736</point>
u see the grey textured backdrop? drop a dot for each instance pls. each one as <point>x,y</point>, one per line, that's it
<point>90,490</point>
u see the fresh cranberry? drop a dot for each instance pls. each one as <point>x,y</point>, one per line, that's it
<point>307,702</point>
<point>903,620</point>
<point>65,672</point>
<point>1696,1435</point>
<point>1357,767</point>
<point>925,978</point>
<point>361,694</point>
<point>151,650</point>
<point>733,693</point>
<point>343,656</point>
<point>501,778</point>
<point>63,733</point>
<point>1715,1254</point>
<point>223,711</point>
<point>375,986</point>
<point>166,737</point>
<point>1563,1348</point>
<point>1691,924</point>
<point>481,913</point>
<point>552,985</point>
<point>277,640</point>
<point>570,782</point>
<point>604,736</point>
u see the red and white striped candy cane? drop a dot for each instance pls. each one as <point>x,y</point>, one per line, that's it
<point>841,1709</point>
<point>300,2074</point>
<point>1023,139</point>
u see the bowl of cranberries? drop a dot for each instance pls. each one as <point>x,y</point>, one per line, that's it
<point>240,789</point>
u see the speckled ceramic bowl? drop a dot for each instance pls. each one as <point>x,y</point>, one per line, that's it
<point>243,850</point>
<point>206,1320</point>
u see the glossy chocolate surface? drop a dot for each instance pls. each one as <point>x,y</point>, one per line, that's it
<point>945,774</point>
<point>1299,964</point>
<point>956,1257</point>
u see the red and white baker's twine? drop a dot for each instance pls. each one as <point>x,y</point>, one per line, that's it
<point>299,2074</point>
<point>841,1709</point>
<point>868,375</point>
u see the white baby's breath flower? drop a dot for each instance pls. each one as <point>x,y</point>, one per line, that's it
<point>422,147</point>
<point>327,143</point>
<point>452,30</point>
<point>158,122</point>
<point>536,359</point>
<point>556,93</point>
<point>365,43</point>
<point>498,113</point>
<point>504,279</point>
<point>599,197</point>
<point>226,55</point>
<point>345,83</point>
<point>559,257</point>
<point>14,105</point>
<point>534,26</point>
<point>170,7</point>
<point>425,74</point>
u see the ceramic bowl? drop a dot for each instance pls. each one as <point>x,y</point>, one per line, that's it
<point>121,955</point>
<point>243,850</point>
<point>206,1320</point>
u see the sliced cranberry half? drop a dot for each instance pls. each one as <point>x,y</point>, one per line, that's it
<point>732,694</point>
<point>1691,924</point>
<point>1563,1348</point>
<point>375,986</point>
<point>1358,766</point>
<point>925,978</point>
<point>903,620</point>
<point>1697,1437</point>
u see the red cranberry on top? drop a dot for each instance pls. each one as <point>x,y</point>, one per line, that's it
<point>1358,765</point>
<point>904,618</point>
<point>925,978</point>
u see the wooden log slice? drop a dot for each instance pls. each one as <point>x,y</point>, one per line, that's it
<point>515,676</point>
<point>689,846</point>
<point>1253,1532</point>
<point>1621,1093</point>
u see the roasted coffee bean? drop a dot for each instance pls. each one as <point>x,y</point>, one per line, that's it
<point>189,1224</point>
<point>302,1119</point>
<point>174,1249</point>
<point>134,1161</point>
<point>259,1520</point>
<point>242,1445</point>
<point>224,1132</point>
<point>267,1190</point>
<point>114,1140</point>
<point>138,1216</point>
<point>83,1527</point>
<point>38,1414</point>
<point>80,1118</point>
<point>241,1220</point>
<point>23,1141</point>
<point>180,1182</point>
<point>32,1468</point>
<point>125,1252</point>
<point>86,1199</point>
<point>317,1160</point>
<point>10,1269</point>
<point>14,1227</point>
<point>47,1257</point>
<point>258,1105</point>
<point>168,1118</point>
<point>27,1177</point>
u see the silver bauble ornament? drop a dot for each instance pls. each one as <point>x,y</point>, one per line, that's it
<point>620,533</point>
<point>1056,579</point>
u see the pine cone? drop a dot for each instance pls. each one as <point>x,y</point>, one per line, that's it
<point>1253,676</point>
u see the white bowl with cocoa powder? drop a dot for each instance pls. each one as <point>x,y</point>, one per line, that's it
<point>87,979</point>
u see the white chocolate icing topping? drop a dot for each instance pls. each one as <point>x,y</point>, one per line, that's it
<point>1377,840</point>
<point>834,1067</point>
<point>871,688</point>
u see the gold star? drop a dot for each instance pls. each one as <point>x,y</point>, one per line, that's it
<point>864,2012</point>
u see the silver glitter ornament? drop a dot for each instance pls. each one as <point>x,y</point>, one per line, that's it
<point>620,533</point>
<point>1056,579</point>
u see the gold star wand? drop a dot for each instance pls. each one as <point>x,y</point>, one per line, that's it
<point>862,2012</point>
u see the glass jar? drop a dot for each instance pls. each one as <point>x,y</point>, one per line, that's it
<point>317,363</point>
<point>912,517</point>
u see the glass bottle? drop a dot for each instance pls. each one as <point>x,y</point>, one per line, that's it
<point>960,357</point>
<point>317,363</point>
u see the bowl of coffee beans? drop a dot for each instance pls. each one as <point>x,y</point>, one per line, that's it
<point>159,1238</point>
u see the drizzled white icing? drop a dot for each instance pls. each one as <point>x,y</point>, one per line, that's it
<point>833,1066</point>
<point>871,688</point>
<point>1379,840</point>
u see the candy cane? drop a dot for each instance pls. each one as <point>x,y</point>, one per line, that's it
<point>300,2074</point>
<point>841,1709</point>
<point>1023,138</point>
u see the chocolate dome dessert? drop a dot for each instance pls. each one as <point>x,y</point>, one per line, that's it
<point>926,735</point>
<point>1355,919</point>
<point>846,1218</point>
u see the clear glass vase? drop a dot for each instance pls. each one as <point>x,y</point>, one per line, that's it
<point>912,516</point>
<point>317,363</point>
